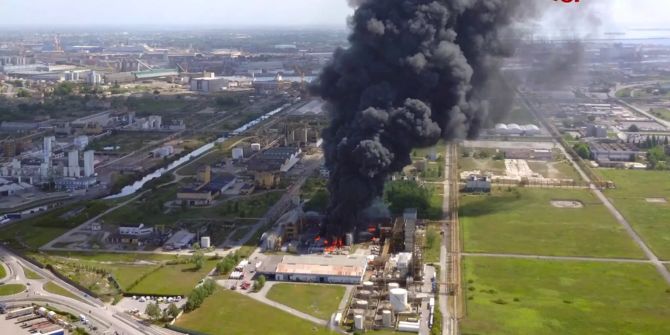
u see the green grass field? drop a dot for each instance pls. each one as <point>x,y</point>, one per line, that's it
<point>230,313</point>
<point>518,296</point>
<point>650,220</point>
<point>54,288</point>
<point>127,141</point>
<point>320,301</point>
<point>31,274</point>
<point>483,165</point>
<point>3,272</point>
<point>433,243</point>
<point>523,221</point>
<point>11,289</point>
<point>173,279</point>
<point>557,170</point>
<point>126,274</point>
<point>662,113</point>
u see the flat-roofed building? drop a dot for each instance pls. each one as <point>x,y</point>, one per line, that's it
<point>338,269</point>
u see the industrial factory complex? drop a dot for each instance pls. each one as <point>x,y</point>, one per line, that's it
<point>412,172</point>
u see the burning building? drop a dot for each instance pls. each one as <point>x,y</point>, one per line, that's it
<point>416,71</point>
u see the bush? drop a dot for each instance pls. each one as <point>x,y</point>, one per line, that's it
<point>199,294</point>
<point>259,283</point>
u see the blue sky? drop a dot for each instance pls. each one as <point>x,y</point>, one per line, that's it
<point>227,13</point>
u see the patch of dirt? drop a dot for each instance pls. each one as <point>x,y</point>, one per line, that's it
<point>567,204</point>
<point>657,200</point>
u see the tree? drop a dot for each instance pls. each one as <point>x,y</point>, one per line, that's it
<point>198,260</point>
<point>172,311</point>
<point>407,194</point>
<point>259,283</point>
<point>153,311</point>
<point>582,150</point>
<point>23,94</point>
<point>633,128</point>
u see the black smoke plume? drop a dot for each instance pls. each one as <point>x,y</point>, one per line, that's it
<point>416,71</point>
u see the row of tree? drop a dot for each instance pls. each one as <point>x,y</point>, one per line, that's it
<point>199,294</point>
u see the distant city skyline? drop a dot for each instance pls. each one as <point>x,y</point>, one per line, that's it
<point>608,14</point>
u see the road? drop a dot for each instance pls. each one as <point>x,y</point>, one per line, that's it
<point>105,317</point>
<point>449,321</point>
<point>651,257</point>
<point>612,94</point>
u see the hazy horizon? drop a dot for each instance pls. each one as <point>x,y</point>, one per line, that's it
<point>598,15</point>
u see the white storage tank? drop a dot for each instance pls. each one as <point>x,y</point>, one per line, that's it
<point>393,285</point>
<point>358,322</point>
<point>362,304</point>
<point>387,318</point>
<point>42,311</point>
<point>51,315</point>
<point>255,147</point>
<point>205,242</point>
<point>398,298</point>
<point>368,284</point>
<point>410,327</point>
<point>238,153</point>
<point>364,293</point>
<point>349,239</point>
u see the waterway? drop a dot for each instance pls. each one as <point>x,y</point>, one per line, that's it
<point>131,189</point>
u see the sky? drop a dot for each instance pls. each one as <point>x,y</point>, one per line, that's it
<point>610,14</point>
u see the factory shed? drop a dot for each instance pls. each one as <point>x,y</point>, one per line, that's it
<point>337,269</point>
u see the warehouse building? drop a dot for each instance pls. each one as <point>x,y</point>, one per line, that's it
<point>335,269</point>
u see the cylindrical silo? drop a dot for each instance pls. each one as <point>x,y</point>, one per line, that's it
<point>393,285</point>
<point>387,318</point>
<point>205,242</point>
<point>358,322</point>
<point>398,298</point>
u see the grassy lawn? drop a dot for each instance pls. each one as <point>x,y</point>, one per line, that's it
<point>662,113</point>
<point>51,287</point>
<point>3,272</point>
<point>484,165</point>
<point>37,231</point>
<point>523,221</point>
<point>520,296</point>
<point>320,301</point>
<point>650,220</point>
<point>113,257</point>
<point>433,242</point>
<point>127,141</point>
<point>11,289</point>
<point>555,170</point>
<point>236,314</point>
<point>127,275</point>
<point>31,274</point>
<point>173,279</point>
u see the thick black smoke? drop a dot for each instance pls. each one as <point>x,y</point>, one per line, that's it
<point>416,71</point>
